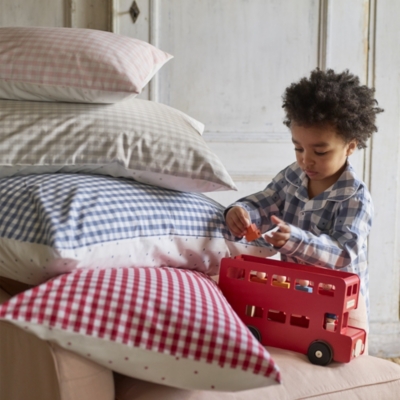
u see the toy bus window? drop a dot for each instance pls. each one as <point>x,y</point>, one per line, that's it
<point>349,291</point>
<point>258,277</point>
<point>330,322</point>
<point>276,316</point>
<point>345,319</point>
<point>280,281</point>
<point>304,285</point>
<point>254,311</point>
<point>235,273</point>
<point>326,289</point>
<point>299,320</point>
<point>355,288</point>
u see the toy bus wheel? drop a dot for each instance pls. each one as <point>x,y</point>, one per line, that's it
<point>256,333</point>
<point>319,353</point>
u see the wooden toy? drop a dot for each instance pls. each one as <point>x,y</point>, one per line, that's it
<point>330,322</point>
<point>259,277</point>
<point>280,281</point>
<point>252,233</point>
<point>312,320</point>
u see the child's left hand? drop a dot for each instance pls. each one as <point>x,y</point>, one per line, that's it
<point>281,236</point>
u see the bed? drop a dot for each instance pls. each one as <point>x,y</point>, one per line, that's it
<point>109,248</point>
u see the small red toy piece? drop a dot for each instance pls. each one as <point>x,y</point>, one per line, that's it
<point>252,233</point>
<point>310,316</point>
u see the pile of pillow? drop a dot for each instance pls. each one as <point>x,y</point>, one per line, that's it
<point>94,179</point>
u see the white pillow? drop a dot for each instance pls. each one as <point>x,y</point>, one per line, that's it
<point>162,325</point>
<point>138,139</point>
<point>73,64</point>
<point>52,224</point>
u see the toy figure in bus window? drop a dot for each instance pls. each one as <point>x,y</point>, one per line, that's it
<point>280,281</point>
<point>258,277</point>
<point>326,289</point>
<point>303,285</point>
<point>330,322</point>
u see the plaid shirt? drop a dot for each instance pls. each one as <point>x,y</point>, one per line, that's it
<point>329,230</point>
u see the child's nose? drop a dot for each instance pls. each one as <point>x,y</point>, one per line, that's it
<point>307,159</point>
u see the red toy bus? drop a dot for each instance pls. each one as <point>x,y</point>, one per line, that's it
<point>296,307</point>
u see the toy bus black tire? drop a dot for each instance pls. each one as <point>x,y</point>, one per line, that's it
<point>256,333</point>
<point>319,353</point>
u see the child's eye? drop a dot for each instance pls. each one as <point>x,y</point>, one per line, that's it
<point>299,150</point>
<point>320,154</point>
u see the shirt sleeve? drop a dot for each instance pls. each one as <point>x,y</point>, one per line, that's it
<point>262,205</point>
<point>345,243</point>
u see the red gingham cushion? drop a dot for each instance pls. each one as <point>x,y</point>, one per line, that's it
<point>163,325</point>
<point>74,64</point>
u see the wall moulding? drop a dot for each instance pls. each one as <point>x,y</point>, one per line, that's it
<point>322,33</point>
<point>255,137</point>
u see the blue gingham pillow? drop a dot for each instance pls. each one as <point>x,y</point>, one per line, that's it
<point>54,223</point>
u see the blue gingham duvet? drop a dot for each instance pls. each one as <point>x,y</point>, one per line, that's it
<point>56,222</point>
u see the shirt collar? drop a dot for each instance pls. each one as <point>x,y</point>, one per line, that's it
<point>346,186</point>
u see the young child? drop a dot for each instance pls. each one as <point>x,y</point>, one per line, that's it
<point>323,211</point>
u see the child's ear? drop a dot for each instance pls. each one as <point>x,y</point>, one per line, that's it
<point>351,147</point>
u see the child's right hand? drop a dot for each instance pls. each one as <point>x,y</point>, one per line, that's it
<point>237,219</point>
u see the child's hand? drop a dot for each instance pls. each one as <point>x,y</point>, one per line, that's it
<point>237,219</point>
<point>281,236</point>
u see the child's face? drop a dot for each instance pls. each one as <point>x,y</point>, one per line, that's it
<point>321,153</point>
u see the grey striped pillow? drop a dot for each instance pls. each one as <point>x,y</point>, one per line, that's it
<point>137,139</point>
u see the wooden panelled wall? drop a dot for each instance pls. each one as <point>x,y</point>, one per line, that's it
<point>232,61</point>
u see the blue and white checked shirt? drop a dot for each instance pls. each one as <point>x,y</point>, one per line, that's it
<point>329,230</point>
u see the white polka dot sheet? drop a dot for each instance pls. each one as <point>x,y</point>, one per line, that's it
<point>55,223</point>
<point>138,139</point>
<point>163,325</point>
<point>74,64</point>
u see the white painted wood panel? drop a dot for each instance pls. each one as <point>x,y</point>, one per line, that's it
<point>252,164</point>
<point>122,24</point>
<point>122,21</point>
<point>347,38</point>
<point>233,60</point>
<point>384,243</point>
<point>91,14</point>
<point>32,12</point>
<point>236,59</point>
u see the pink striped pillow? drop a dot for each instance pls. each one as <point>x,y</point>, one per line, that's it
<point>163,325</point>
<point>74,65</point>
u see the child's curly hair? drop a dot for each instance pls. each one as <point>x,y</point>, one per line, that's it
<point>334,99</point>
